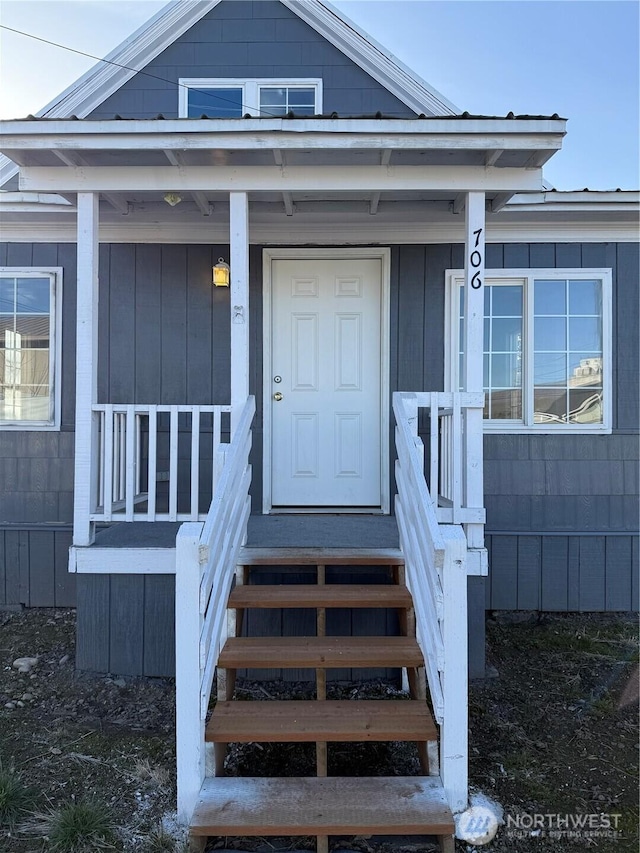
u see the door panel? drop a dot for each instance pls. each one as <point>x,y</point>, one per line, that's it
<point>326,349</point>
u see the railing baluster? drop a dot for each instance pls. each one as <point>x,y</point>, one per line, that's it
<point>195,462</point>
<point>173,464</point>
<point>434,454</point>
<point>215,449</point>
<point>130,461</point>
<point>100,462</point>
<point>456,453</point>
<point>153,462</point>
<point>108,463</point>
<point>138,488</point>
<point>122,456</point>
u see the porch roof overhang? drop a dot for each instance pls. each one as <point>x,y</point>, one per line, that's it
<point>321,159</point>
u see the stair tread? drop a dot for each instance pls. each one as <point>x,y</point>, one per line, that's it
<point>319,652</point>
<point>250,556</point>
<point>330,720</point>
<point>312,595</point>
<point>412,805</point>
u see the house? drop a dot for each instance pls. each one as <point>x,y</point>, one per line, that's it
<point>373,234</point>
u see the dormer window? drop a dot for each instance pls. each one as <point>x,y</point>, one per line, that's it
<point>234,98</point>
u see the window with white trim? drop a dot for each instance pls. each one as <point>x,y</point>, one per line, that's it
<point>30,322</point>
<point>547,348</point>
<point>235,97</point>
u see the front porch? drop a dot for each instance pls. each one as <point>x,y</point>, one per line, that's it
<point>161,468</point>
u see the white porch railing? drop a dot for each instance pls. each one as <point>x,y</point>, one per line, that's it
<point>148,461</point>
<point>436,573</point>
<point>455,454</point>
<point>206,557</point>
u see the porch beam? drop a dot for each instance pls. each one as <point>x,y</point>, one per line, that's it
<point>86,366</point>
<point>273,179</point>
<point>239,263</point>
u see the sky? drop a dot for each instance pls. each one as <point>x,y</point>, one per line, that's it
<point>577,58</point>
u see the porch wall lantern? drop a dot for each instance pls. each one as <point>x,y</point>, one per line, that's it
<point>221,274</point>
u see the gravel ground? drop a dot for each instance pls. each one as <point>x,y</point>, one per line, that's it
<point>554,732</point>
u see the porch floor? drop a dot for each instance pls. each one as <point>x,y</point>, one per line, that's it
<point>268,531</point>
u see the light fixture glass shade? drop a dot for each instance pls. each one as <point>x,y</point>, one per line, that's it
<point>221,274</point>
<point>172,199</point>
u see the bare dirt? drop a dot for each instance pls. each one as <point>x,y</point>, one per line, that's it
<point>555,732</point>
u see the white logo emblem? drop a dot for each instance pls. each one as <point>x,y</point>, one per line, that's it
<point>478,825</point>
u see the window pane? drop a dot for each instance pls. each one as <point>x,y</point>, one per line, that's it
<point>585,333</point>
<point>550,334</point>
<point>549,297</point>
<point>585,406</point>
<point>506,335</point>
<point>585,297</point>
<point>549,406</point>
<point>506,371</point>
<point>506,405</point>
<point>550,368</point>
<point>33,330</point>
<point>302,97</point>
<point>280,100</point>
<point>585,369</point>
<point>7,295</point>
<point>273,97</point>
<point>215,103</point>
<point>506,301</point>
<point>32,295</point>
<point>487,334</point>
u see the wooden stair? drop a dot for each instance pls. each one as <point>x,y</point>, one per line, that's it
<point>396,805</point>
<point>322,805</point>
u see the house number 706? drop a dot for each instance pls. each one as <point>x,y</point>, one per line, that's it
<point>476,260</point>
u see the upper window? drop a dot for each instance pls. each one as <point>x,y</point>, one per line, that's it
<point>234,98</point>
<point>29,336</point>
<point>547,348</point>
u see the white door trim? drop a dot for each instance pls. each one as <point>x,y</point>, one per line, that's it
<point>270,255</point>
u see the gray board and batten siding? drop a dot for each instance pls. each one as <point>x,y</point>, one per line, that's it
<point>562,510</point>
<point>247,40</point>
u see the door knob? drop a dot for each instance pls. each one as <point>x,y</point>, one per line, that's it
<point>277,396</point>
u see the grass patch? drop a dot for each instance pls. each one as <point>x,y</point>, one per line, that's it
<point>75,828</point>
<point>16,798</point>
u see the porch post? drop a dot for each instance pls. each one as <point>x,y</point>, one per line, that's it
<point>473,380</point>
<point>473,361</point>
<point>86,366</point>
<point>239,262</point>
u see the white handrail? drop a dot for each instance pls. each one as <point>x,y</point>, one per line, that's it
<point>137,446</point>
<point>435,557</point>
<point>206,555</point>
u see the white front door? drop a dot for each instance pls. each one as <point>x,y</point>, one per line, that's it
<point>324,383</point>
